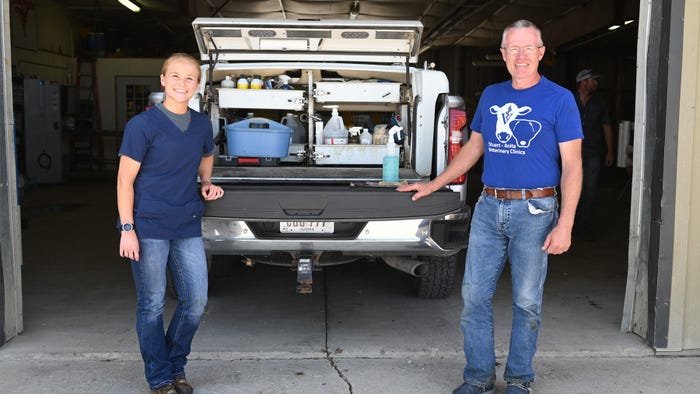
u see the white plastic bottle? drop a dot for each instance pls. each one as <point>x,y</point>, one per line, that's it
<point>298,131</point>
<point>365,137</point>
<point>390,163</point>
<point>318,130</point>
<point>335,132</point>
<point>228,82</point>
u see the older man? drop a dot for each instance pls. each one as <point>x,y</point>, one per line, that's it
<point>523,127</point>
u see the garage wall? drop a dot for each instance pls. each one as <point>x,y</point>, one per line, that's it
<point>684,322</point>
<point>42,39</point>
<point>108,69</point>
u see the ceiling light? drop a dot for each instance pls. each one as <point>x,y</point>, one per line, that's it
<point>613,27</point>
<point>130,5</point>
<point>627,22</point>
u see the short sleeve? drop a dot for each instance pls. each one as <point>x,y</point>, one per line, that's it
<point>134,142</point>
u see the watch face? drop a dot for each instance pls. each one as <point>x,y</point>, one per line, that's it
<point>127,227</point>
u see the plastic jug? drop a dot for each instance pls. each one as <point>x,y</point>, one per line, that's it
<point>298,131</point>
<point>335,132</point>
<point>228,82</point>
<point>390,163</point>
<point>365,137</point>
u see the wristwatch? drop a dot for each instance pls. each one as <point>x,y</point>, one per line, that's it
<point>127,227</point>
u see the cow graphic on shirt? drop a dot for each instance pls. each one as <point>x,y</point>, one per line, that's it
<point>509,126</point>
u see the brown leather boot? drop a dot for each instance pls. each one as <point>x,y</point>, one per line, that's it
<point>181,385</point>
<point>169,389</point>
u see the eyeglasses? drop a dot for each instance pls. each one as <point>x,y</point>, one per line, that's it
<point>515,51</point>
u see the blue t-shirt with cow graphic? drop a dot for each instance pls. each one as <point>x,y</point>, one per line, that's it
<point>522,130</point>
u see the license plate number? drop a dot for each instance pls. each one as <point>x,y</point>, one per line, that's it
<point>306,227</point>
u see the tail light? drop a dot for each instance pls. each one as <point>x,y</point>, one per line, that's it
<point>458,119</point>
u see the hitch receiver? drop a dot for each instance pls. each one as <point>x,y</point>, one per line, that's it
<point>305,265</point>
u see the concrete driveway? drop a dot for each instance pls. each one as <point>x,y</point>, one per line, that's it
<point>362,330</point>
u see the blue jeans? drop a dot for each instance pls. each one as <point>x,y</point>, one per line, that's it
<point>585,211</point>
<point>501,230</point>
<point>165,354</point>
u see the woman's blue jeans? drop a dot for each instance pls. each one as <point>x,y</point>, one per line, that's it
<point>165,354</point>
<point>501,230</point>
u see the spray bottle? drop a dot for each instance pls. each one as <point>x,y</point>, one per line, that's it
<point>283,82</point>
<point>390,163</point>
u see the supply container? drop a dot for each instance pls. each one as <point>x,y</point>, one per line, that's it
<point>335,132</point>
<point>228,82</point>
<point>256,82</point>
<point>390,163</point>
<point>258,137</point>
<point>365,137</point>
<point>242,82</point>
<point>298,131</point>
<point>379,136</point>
<point>354,135</point>
<point>318,132</point>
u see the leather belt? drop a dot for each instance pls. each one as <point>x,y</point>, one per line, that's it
<point>520,194</point>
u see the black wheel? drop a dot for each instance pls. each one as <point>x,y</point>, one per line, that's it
<point>440,280</point>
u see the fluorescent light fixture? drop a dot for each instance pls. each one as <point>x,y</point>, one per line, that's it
<point>613,27</point>
<point>130,5</point>
<point>627,22</point>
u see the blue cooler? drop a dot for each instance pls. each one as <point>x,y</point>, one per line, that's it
<point>258,137</point>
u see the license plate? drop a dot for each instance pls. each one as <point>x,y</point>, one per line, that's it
<point>306,227</point>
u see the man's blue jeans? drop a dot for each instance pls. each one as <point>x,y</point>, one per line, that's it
<point>501,230</point>
<point>165,354</point>
<point>592,165</point>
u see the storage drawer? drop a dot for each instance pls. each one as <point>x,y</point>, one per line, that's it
<point>358,92</point>
<point>261,98</point>
<point>350,154</point>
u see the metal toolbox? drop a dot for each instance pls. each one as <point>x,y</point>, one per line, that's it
<point>358,92</point>
<point>261,98</point>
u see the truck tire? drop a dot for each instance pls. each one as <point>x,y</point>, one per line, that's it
<point>439,281</point>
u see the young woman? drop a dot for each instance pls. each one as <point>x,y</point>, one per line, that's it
<point>163,151</point>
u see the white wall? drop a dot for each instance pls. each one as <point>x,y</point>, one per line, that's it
<point>108,69</point>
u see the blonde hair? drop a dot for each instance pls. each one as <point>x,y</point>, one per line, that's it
<point>183,56</point>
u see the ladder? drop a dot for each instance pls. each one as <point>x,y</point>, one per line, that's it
<point>88,122</point>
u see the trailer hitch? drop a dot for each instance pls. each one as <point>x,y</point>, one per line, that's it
<point>305,266</point>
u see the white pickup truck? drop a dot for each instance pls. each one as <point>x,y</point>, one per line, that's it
<point>324,204</point>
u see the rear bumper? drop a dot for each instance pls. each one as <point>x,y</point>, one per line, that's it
<point>436,236</point>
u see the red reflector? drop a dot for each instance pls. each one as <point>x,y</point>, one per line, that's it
<point>249,160</point>
<point>458,120</point>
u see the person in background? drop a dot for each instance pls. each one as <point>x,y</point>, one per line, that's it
<point>597,134</point>
<point>523,127</point>
<point>163,151</point>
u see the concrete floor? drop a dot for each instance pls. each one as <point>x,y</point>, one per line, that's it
<point>362,330</point>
